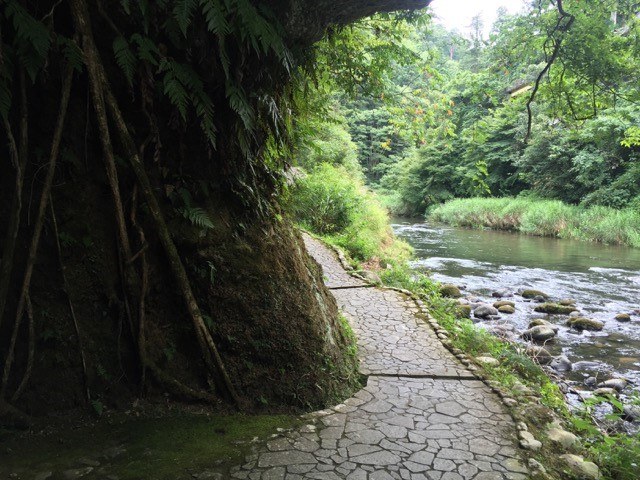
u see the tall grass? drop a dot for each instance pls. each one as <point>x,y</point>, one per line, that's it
<point>332,203</point>
<point>550,218</point>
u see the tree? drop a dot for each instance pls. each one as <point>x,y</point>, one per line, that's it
<point>170,122</point>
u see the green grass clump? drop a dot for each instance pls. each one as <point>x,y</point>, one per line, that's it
<point>333,203</point>
<point>550,218</point>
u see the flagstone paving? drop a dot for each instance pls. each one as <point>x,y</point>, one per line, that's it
<point>422,415</point>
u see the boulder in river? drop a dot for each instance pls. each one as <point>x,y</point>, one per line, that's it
<point>539,321</point>
<point>605,392</point>
<point>555,308</point>
<point>541,333</point>
<point>450,291</point>
<point>502,303</point>
<point>484,311</point>
<point>618,383</point>
<point>623,317</point>
<point>581,323</point>
<point>507,309</point>
<point>631,413</point>
<point>561,364</point>
<point>502,293</point>
<point>531,294</point>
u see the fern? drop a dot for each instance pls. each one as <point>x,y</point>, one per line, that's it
<point>71,52</point>
<point>147,50</point>
<point>125,58</point>
<point>198,217</point>
<point>174,88</point>
<point>183,11</point>
<point>33,40</point>
<point>239,104</point>
<point>215,16</point>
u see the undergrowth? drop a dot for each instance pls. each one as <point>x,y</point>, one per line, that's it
<point>550,218</point>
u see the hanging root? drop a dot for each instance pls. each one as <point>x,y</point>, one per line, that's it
<point>101,91</point>
<point>30,353</point>
<point>23,299</point>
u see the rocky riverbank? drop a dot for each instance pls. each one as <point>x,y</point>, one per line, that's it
<point>541,340</point>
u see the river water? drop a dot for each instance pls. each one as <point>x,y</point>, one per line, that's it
<point>604,281</point>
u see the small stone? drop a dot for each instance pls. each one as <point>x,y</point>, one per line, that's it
<point>484,311</point>
<point>561,364</point>
<point>502,293</point>
<point>567,302</point>
<point>521,426</point>
<point>528,442</point>
<point>503,303</point>
<point>605,392</point>
<point>623,317</point>
<point>580,468</point>
<point>618,383</point>
<point>561,437</point>
<point>507,309</point>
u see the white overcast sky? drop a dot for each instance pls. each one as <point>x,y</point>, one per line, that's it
<point>457,14</point>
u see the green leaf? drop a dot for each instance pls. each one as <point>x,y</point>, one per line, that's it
<point>125,58</point>
<point>183,13</point>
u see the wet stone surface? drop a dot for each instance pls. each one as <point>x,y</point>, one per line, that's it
<point>397,427</point>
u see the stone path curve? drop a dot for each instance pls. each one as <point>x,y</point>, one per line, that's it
<point>422,415</point>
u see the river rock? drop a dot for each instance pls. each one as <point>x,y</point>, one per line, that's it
<point>541,333</point>
<point>580,468</point>
<point>567,302</point>
<point>623,317</point>
<point>506,331</point>
<point>502,293</point>
<point>531,294</point>
<point>507,309</point>
<point>590,381</point>
<point>539,354</point>
<point>561,364</point>
<point>561,437</point>
<point>575,313</point>
<point>449,290</point>
<point>555,308</point>
<point>484,311</point>
<point>539,321</point>
<point>605,392</point>
<point>618,383</point>
<point>581,323</point>
<point>502,303</point>
<point>631,412</point>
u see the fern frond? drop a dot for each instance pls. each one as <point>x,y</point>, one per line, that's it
<point>198,217</point>
<point>147,50</point>
<point>216,17</point>
<point>183,13</point>
<point>71,52</point>
<point>174,88</point>
<point>125,58</point>
<point>239,104</point>
<point>32,38</point>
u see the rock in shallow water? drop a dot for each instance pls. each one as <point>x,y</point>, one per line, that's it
<point>539,354</point>
<point>502,293</point>
<point>623,317</point>
<point>618,383</point>
<point>502,303</point>
<point>485,311</point>
<point>507,309</point>
<point>450,291</point>
<point>561,364</point>
<point>531,293</point>
<point>555,308</point>
<point>581,323</point>
<point>541,333</point>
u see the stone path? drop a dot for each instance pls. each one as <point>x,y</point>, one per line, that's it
<point>422,415</point>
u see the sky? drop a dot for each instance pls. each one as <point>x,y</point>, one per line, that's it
<point>457,14</point>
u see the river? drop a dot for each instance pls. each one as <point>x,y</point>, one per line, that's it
<point>604,280</point>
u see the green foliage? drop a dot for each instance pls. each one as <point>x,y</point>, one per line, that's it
<point>332,203</point>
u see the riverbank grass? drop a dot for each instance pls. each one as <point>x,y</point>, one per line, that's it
<point>550,218</point>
